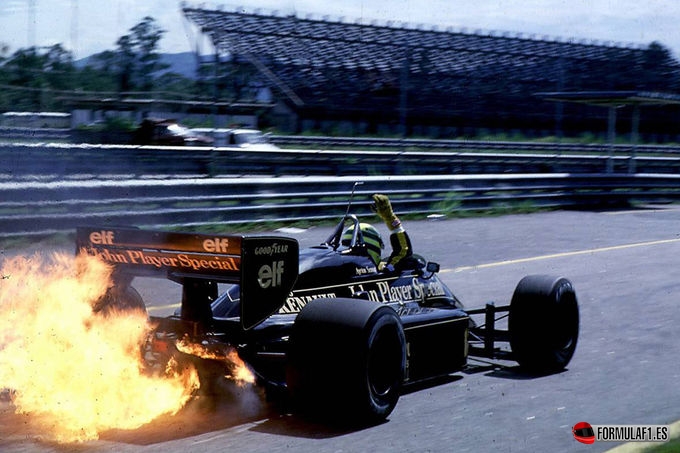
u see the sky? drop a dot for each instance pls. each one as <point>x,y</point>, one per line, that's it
<point>89,26</point>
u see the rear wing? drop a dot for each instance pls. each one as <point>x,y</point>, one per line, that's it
<point>265,267</point>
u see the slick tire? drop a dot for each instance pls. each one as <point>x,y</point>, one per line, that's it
<point>120,299</point>
<point>543,323</point>
<point>347,360</point>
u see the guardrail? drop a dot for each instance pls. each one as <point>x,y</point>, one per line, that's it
<point>460,145</point>
<point>324,142</point>
<point>33,207</point>
<point>66,161</point>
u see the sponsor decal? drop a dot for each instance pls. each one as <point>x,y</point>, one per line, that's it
<point>102,237</point>
<point>376,290</point>
<point>216,245</point>
<point>161,260</point>
<point>383,292</point>
<point>271,250</point>
<point>210,245</point>
<point>296,303</point>
<point>270,276</point>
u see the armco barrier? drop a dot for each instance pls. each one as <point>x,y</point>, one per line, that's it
<point>66,161</point>
<point>42,207</point>
<point>457,145</point>
<point>460,145</point>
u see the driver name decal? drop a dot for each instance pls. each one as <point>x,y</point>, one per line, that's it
<point>366,270</point>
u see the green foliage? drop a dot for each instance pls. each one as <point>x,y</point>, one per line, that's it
<point>137,57</point>
<point>672,446</point>
<point>449,204</point>
<point>117,123</point>
<point>38,79</point>
<point>29,74</point>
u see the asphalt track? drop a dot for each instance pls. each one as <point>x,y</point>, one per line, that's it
<point>624,266</point>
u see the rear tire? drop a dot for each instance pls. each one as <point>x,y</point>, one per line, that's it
<point>120,299</point>
<point>543,323</point>
<point>346,361</point>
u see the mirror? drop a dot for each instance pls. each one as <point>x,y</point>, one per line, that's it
<point>432,268</point>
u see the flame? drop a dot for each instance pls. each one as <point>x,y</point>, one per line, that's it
<point>237,370</point>
<point>75,372</point>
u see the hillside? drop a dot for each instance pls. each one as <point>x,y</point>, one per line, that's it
<point>183,63</point>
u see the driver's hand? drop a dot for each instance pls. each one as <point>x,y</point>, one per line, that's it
<point>383,207</point>
<point>384,267</point>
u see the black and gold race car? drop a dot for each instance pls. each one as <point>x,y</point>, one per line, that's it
<point>322,325</point>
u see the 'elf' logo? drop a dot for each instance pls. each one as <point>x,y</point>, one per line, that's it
<point>270,275</point>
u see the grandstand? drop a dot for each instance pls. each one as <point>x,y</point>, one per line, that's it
<point>419,80</point>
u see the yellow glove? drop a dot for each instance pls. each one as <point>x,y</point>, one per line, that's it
<point>383,207</point>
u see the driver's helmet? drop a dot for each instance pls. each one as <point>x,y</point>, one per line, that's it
<point>371,237</point>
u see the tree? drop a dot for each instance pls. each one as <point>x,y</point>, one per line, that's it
<point>659,69</point>
<point>33,74</point>
<point>38,78</point>
<point>138,59</point>
<point>4,50</point>
<point>97,74</point>
<point>177,85</point>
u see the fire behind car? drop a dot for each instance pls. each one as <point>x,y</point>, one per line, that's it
<point>322,326</point>
<point>168,132</point>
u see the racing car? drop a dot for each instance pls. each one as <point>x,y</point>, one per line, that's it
<point>323,326</point>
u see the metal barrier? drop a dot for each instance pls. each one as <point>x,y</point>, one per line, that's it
<point>324,142</point>
<point>457,145</point>
<point>43,207</point>
<point>66,161</point>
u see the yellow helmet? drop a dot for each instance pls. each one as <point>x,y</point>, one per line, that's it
<point>371,237</point>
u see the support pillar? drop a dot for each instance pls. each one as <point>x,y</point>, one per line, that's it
<point>634,137</point>
<point>611,137</point>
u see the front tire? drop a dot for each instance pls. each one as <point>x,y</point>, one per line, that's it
<point>543,323</point>
<point>347,359</point>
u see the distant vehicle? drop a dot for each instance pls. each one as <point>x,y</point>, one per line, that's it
<point>238,137</point>
<point>168,132</point>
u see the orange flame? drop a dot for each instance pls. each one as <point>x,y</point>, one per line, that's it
<point>77,373</point>
<point>236,368</point>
